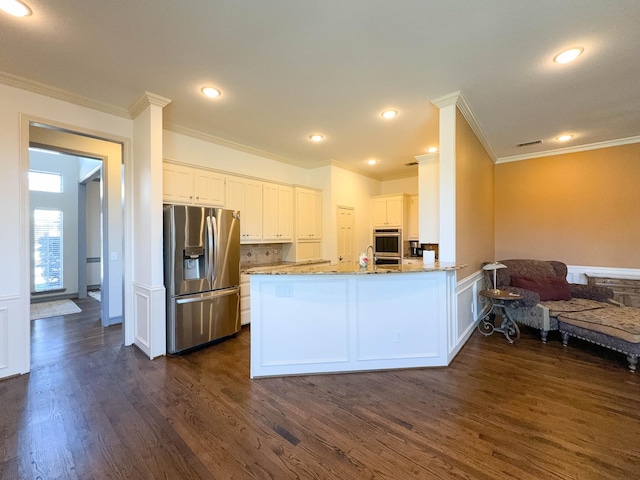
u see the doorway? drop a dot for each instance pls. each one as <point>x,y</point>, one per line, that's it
<point>65,198</point>
<point>98,258</point>
<point>345,218</point>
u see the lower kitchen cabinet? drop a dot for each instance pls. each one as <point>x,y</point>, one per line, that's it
<point>245,299</point>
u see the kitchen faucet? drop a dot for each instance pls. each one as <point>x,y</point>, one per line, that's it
<point>373,255</point>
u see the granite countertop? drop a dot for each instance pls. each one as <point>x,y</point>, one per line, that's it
<point>340,269</point>
<point>265,267</point>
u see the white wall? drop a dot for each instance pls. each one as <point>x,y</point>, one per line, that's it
<point>19,106</point>
<point>194,151</point>
<point>348,189</point>
<point>339,186</point>
<point>408,185</point>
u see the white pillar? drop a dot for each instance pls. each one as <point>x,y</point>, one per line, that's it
<point>447,164</point>
<point>145,289</point>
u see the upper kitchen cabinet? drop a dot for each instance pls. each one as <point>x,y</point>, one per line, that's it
<point>390,211</point>
<point>277,210</point>
<point>208,188</point>
<point>308,214</point>
<point>191,186</point>
<point>413,230</point>
<point>177,183</point>
<point>245,195</point>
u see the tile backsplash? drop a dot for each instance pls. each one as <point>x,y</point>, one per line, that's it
<point>254,255</point>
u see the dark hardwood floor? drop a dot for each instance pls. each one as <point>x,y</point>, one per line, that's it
<point>92,408</point>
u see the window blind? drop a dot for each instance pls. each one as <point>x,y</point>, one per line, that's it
<point>47,245</point>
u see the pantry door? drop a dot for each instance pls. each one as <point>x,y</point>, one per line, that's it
<point>345,235</point>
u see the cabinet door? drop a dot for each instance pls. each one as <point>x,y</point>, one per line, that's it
<point>308,214</point>
<point>379,212</point>
<point>303,210</point>
<point>316,223</point>
<point>285,213</point>
<point>209,188</point>
<point>253,211</point>
<point>413,218</point>
<point>394,211</point>
<point>177,184</point>
<point>234,195</point>
<point>270,210</point>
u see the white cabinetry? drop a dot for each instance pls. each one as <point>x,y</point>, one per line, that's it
<point>208,188</point>
<point>188,185</point>
<point>308,225</point>
<point>413,229</point>
<point>245,299</point>
<point>308,214</point>
<point>389,211</point>
<point>245,195</point>
<point>277,211</point>
<point>177,183</point>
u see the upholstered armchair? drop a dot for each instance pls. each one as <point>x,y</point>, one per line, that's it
<point>545,293</point>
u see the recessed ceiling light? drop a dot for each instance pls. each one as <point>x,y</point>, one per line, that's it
<point>389,113</point>
<point>15,8</point>
<point>372,161</point>
<point>316,137</point>
<point>568,55</point>
<point>432,149</point>
<point>211,92</point>
<point>564,138</point>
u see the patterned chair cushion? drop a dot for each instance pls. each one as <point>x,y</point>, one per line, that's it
<point>620,322</point>
<point>557,307</point>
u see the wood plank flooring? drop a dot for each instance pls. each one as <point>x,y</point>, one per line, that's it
<point>92,408</point>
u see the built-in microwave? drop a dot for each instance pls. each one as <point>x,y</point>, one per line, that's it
<point>387,244</point>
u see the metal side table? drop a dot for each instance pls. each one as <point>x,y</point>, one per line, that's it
<point>499,299</point>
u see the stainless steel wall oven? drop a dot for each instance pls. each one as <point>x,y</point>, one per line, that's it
<point>388,245</point>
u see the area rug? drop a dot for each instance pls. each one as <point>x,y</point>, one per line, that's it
<point>95,294</point>
<point>53,309</point>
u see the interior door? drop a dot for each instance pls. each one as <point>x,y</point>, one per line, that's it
<point>345,235</point>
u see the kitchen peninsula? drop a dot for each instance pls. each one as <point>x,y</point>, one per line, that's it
<point>333,318</point>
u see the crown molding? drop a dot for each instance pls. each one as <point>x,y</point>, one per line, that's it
<point>59,94</point>
<point>467,113</point>
<point>233,145</point>
<point>578,148</point>
<point>447,100</point>
<point>427,156</point>
<point>458,99</point>
<point>145,100</point>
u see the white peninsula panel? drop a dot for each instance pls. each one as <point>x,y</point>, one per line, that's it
<point>324,319</point>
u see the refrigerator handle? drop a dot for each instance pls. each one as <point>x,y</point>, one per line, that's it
<point>209,249</point>
<point>216,247</point>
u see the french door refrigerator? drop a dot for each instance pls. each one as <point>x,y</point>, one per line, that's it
<point>202,275</point>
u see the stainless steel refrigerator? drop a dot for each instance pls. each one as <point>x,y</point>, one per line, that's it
<point>202,275</point>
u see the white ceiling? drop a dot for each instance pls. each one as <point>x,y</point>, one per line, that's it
<point>290,68</point>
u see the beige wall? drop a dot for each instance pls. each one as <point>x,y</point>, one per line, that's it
<point>474,200</point>
<point>579,208</point>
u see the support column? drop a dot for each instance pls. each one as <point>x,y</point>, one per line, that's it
<point>145,286</point>
<point>447,164</point>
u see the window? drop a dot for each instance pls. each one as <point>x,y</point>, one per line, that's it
<point>47,249</point>
<point>45,182</point>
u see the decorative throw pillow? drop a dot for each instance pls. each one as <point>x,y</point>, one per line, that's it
<point>549,288</point>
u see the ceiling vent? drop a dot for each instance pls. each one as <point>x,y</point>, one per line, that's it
<point>526,144</point>
<point>411,164</point>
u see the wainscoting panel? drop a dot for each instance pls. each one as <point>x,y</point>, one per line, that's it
<point>4,338</point>
<point>470,309</point>
<point>576,274</point>
<point>14,327</point>
<point>149,311</point>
